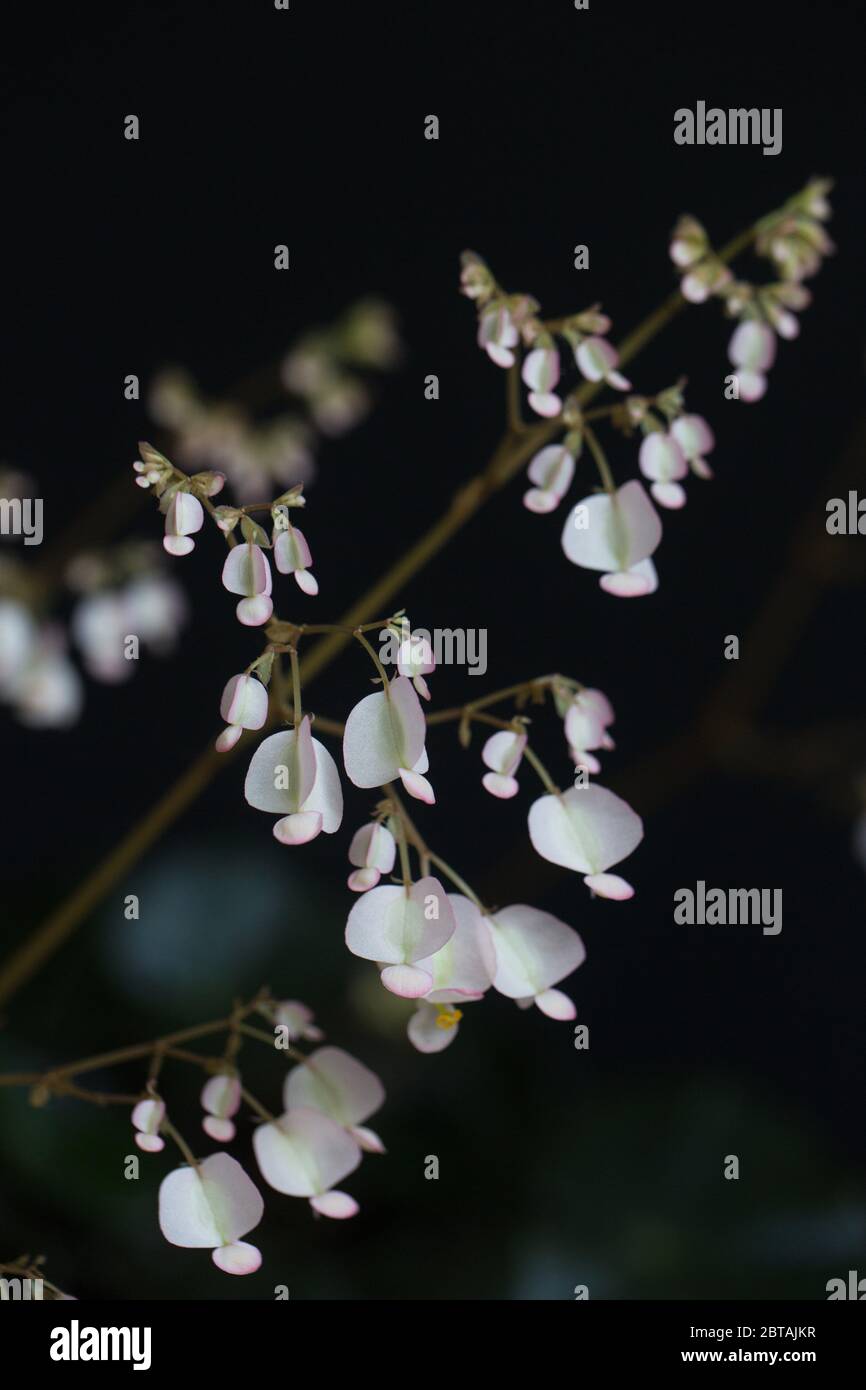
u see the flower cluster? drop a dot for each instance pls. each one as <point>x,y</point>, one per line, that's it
<point>795,241</point>
<point>316,1141</point>
<point>615,529</point>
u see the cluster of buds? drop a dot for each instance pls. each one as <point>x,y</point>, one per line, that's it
<point>315,1142</point>
<point>508,322</point>
<point>323,368</point>
<point>795,240</point>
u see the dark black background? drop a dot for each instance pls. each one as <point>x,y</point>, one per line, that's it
<point>556,128</point>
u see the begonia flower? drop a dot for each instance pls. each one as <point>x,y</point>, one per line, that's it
<point>373,851</point>
<point>297,1019</point>
<point>497,334</point>
<point>616,533</point>
<point>415,660</point>
<point>588,829</point>
<point>341,1087</point>
<point>244,705</point>
<point>695,438</point>
<point>247,571</point>
<point>540,372</point>
<point>184,516</point>
<point>752,351</point>
<point>384,739</point>
<point>551,470</point>
<point>534,951</point>
<point>502,754</point>
<point>303,1154</point>
<point>398,928</point>
<point>662,460</point>
<point>210,1207</point>
<point>221,1098</point>
<point>292,556</point>
<point>147,1116</point>
<point>597,360</point>
<point>294,776</point>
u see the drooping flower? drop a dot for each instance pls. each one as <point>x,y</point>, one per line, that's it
<point>384,739</point>
<point>709,277</point>
<point>415,659</point>
<point>221,1098</point>
<point>398,928</point>
<point>551,470</point>
<point>502,754</point>
<point>616,533</point>
<point>247,571</point>
<point>147,1117</point>
<point>210,1207</point>
<point>752,351</point>
<point>184,516</point>
<point>244,705</point>
<point>297,1019</point>
<point>696,439</point>
<point>662,460</point>
<point>588,829</point>
<point>341,1087</point>
<point>292,556</point>
<point>294,776</point>
<point>597,360</point>
<point>540,372</point>
<point>303,1154</point>
<point>533,952</point>
<point>373,851</point>
<point>497,334</point>
<point>587,720</point>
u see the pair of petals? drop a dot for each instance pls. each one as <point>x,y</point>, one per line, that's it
<point>185,516</point>
<point>588,829</point>
<point>292,556</point>
<point>461,971</point>
<point>247,571</point>
<point>244,705</point>
<point>373,851</point>
<point>384,739</point>
<point>551,470</point>
<point>662,461</point>
<point>147,1117</point>
<point>752,351</point>
<point>339,1086</point>
<point>540,372</point>
<point>502,754</point>
<point>616,533</point>
<point>400,930</point>
<point>211,1207</point>
<point>598,360</point>
<point>294,776</point>
<point>303,1154</point>
<point>221,1098</point>
<point>534,951</point>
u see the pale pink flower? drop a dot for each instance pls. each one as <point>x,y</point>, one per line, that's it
<point>497,334</point>
<point>292,556</point>
<point>339,1086</point>
<point>752,351</point>
<point>551,470</point>
<point>616,533</point>
<point>184,516</point>
<point>373,851</point>
<point>540,372</point>
<point>502,754</point>
<point>247,571</point>
<point>294,776</point>
<point>696,439</point>
<point>415,659</point>
<point>662,460</point>
<point>210,1207</point>
<point>384,739</point>
<point>147,1117</point>
<point>297,1019</point>
<point>462,971</point>
<point>398,927</point>
<point>244,705</point>
<point>303,1154</point>
<point>587,829</point>
<point>533,952</point>
<point>587,720</point>
<point>221,1098</point>
<point>597,360</point>
<point>705,279</point>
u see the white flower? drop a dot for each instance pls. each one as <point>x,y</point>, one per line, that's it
<point>616,533</point>
<point>294,776</point>
<point>210,1207</point>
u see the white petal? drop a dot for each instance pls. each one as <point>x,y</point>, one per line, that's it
<point>335,1083</point>
<point>586,828</point>
<point>304,1153</point>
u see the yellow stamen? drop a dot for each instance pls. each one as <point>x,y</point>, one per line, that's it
<point>448,1018</point>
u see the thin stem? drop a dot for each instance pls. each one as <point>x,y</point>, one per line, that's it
<point>168,1128</point>
<point>601,462</point>
<point>374,656</point>
<point>534,761</point>
<point>296,685</point>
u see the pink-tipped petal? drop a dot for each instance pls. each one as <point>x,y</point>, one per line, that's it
<point>362,880</point>
<point>223,1131</point>
<point>238,1258</point>
<point>609,886</point>
<point>150,1143</point>
<point>338,1205</point>
<point>502,787</point>
<point>417,786</point>
<point>556,1004</point>
<point>407,981</point>
<point>298,828</point>
<point>669,495</point>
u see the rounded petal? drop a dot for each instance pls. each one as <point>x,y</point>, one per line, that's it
<point>148,1115</point>
<point>221,1095</point>
<point>534,950</point>
<point>417,786</point>
<point>283,771</point>
<point>373,846</point>
<point>254,612</point>
<point>150,1143</point>
<point>609,886</point>
<point>326,796</point>
<point>408,981</point>
<point>222,1131</point>
<point>213,1205</point>
<point>502,787</point>
<point>304,1153</point>
<point>424,1032</point>
<point>693,435</point>
<point>362,880</point>
<point>338,1205</point>
<point>661,458</point>
<point>384,732</point>
<point>555,1004</point>
<point>396,928</point>
<point>466,963</point>
<point>299,828</point>
<point>335,1083</point>
<point>586,828</point>
<point>244,702</point>
<point>634,583</point>
<point>246,571</point>
<point>237,1258</point>
<point>669,495</point>
<point>178,545</point>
